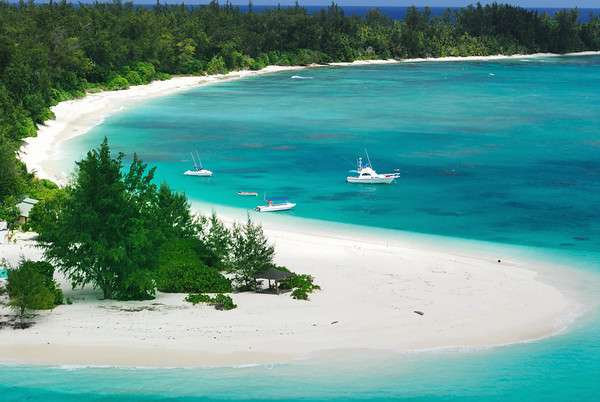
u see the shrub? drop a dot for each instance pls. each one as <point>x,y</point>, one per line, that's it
<point>162,76</point>
<point>302,286</point>
<point>145,70</point>
<point>219,301</point>
<point>300,294</point>
<point>134,78</point>
<point>138,285</point>
<point>196,298</point>
<point>117,82</point>
<point>32,287</point>
<point>181,270</point>
<point>223,302</point>
<point>216,66</point>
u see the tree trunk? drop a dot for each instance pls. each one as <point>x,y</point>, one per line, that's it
<point>107,291</point>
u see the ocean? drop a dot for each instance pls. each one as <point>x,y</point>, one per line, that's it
<point>506,152</point>
<point>396,13</point>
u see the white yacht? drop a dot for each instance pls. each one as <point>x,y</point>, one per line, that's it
<point>276,204</point>
<point>198,169</point>
<point>365,174</point>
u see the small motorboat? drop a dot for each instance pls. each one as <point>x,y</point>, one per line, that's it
<point>247,193</point>
<point>276,204</point>
<point>365,174</point>
<point>198,169</point>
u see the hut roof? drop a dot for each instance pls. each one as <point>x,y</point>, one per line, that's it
<point>274,274</point>
<point>25,206</point>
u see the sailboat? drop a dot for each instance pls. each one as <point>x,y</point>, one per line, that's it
<point>365,174</point>
<point>198,169</point>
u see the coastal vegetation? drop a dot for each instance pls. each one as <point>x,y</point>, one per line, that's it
<point>251,254</point>
<point>181,269</point>
<point>301,285</point>
<point>31,286</point>
<point>219,301</point>
<point>114,229</point>
<point>58,51</point>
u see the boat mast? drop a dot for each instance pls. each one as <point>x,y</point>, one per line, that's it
<point>368,159</point>
<point>199,161</point>
<point>194,161</point>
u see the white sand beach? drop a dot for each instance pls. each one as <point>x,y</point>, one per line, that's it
<point>372,284</point>
<point>371,287</point>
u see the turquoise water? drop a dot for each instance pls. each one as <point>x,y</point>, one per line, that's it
<point>503,152</point>
<point>500,151</point>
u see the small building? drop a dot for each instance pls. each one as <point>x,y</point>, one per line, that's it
<point>25,208</point>
<point>275,275</point>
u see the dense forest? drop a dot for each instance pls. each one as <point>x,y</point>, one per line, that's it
<point>57,51</point>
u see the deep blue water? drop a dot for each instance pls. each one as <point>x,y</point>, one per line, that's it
<point>499,151</point>
<point>397,13</point>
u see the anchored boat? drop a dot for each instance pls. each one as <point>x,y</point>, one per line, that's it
<point>198,169</point>
<point>365,174</point>
<point>247,193</point>
<point>276,204</point>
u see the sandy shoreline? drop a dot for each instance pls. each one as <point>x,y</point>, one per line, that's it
<point>76,117</point>
<point>371,287</point>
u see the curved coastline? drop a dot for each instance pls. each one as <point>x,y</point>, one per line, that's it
<point>371,284</point>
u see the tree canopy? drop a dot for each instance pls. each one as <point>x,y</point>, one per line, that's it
<point>108,227</point>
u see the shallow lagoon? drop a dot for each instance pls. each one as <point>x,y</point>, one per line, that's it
<point>504,151</point>
<point>498,151</point>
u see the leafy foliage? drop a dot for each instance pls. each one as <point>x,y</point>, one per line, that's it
<point>108,226</point>
<point>181,270</point>
<point>217,241</point>
<point>31,287</point>
<point>219,301</point>
<point>250,254</point>
<point>302,286</point>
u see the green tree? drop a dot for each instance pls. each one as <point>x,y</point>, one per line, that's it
<point>9,174</point>
<point>88,241</point>
<point>250,254</point>
<point>216,66</point>
<point>174,217</point>
<point>217,241</point>
<point>44,214</point>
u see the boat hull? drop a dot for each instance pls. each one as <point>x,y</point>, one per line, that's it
<point>371,180</point>
<point>198,173</point>
<point>275,208</point>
